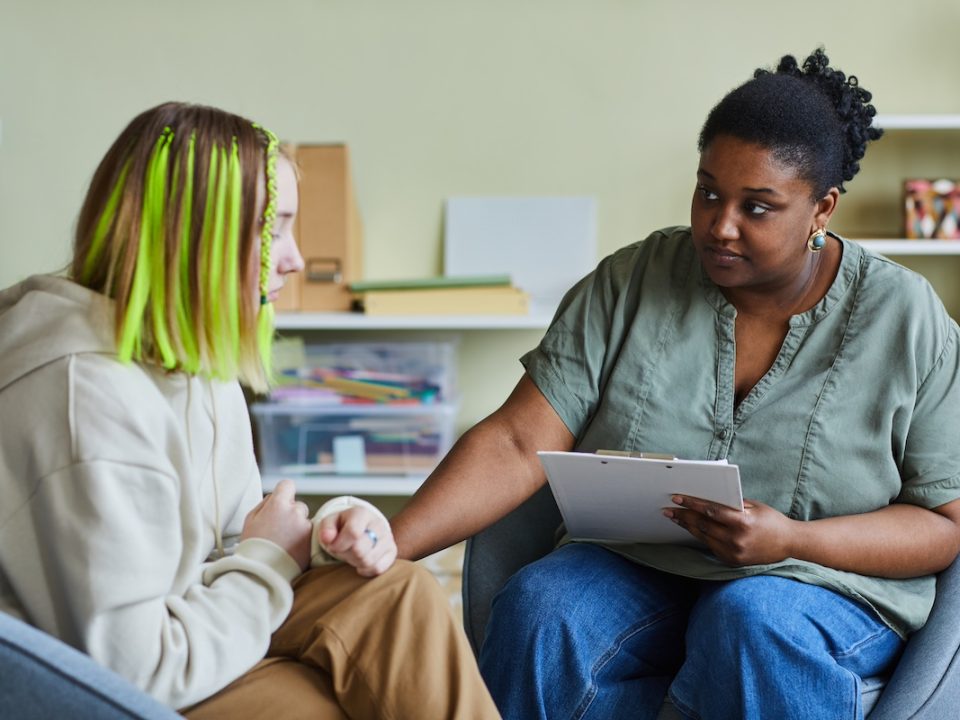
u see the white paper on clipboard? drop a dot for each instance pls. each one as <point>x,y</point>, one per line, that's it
<point>621,499</point>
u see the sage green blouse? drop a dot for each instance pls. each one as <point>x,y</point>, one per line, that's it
<point>860,409</point>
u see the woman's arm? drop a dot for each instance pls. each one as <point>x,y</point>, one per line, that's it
<point>898,541</point>
<point>490,471</point>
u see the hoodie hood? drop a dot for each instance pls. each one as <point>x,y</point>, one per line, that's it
<point>45,318</point>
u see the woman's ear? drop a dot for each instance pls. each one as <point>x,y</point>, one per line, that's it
<point>825,207</point>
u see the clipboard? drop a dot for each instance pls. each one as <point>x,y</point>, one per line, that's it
<point>620,497</point>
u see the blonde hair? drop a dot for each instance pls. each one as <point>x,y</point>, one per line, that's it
<point>169,229</point>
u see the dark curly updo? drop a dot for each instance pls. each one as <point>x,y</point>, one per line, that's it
<point>813,118</point>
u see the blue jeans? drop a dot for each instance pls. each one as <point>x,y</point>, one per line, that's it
<point>585,633</point>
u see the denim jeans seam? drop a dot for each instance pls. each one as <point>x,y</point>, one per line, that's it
<point>682,708</point>
<point>611,652</point>
<point>854,702</point>
<point>690,714</point>
<point>860,645</point>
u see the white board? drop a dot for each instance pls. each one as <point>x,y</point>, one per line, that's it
<point>545,244</point>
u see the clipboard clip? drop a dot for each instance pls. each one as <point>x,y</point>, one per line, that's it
<point>633,454</point>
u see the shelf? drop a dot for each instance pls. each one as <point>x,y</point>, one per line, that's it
<point>536,320</point>
<point>397,485</point>
<point>902,246</point>
<point>918,122</point>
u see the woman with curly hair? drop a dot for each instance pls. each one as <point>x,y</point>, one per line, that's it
<point>828,374</point>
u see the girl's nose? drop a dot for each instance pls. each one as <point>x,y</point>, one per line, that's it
<point>290,260</point>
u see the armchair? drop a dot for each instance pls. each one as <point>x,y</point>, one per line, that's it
<point>42,677</point>
<point>925,685</point>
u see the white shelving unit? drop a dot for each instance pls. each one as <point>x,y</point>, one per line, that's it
<point>904,246</point>
<point>918,122</point>
<point>536,320</point>
<point>911,247</point>
<point>388,485</point>
<point>351,484</point>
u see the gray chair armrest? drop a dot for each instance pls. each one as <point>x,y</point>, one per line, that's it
<point>41,677</point>
<point>926,682</point>
<point>494,554</point>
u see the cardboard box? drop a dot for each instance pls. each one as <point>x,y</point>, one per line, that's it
<point>329,232</point>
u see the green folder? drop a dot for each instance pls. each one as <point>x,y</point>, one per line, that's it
<point>441,281</point>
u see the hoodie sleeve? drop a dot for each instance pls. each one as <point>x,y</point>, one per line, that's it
<point>111,547</point>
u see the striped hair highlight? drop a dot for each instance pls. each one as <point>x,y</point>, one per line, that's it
<point>171,228</point>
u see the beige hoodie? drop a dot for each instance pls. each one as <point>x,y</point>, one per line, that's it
<point>115,483</point>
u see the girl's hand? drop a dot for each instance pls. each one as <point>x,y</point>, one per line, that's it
<point>360,538</point>
<point>282,519</point>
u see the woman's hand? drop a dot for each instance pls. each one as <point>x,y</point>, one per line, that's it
<point>896,541</point>
<point>360,538</point>
<point>756,536</point>
<point>282,519</point>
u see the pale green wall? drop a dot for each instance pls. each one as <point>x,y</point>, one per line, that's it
<point>435,98</point>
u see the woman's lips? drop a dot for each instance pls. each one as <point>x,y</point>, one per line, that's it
<point>722,257</point>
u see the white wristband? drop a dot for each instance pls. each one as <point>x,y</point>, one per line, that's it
<point>318,553</point>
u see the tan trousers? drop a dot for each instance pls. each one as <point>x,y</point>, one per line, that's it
<point>387,647</point>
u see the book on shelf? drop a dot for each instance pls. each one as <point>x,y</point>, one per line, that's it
<point>430,283</point>
<point>476,300</point>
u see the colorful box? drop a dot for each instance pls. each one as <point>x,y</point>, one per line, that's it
<point>932,209</point>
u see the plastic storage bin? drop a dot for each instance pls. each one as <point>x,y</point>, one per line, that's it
<point>384,372</point>
<point>299,440</point>
<point>359,409</point>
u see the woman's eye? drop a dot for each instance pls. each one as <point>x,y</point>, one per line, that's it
<point>707,194</point>
<point>754,209</point>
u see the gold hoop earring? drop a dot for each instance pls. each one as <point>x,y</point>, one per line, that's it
<point>817,241</point>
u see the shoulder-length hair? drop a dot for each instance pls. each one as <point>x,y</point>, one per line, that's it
<point>176,229</point>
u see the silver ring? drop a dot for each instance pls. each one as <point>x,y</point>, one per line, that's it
<point>372,535</point>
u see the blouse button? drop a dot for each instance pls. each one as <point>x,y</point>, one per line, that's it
<point>723,433</point>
